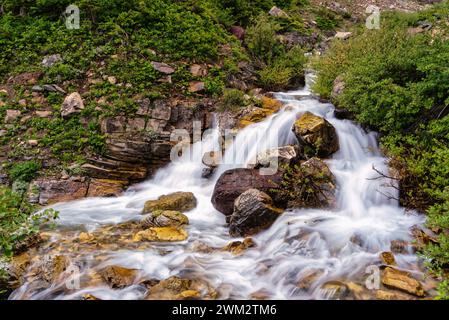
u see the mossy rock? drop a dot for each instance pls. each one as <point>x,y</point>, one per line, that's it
<point>178,201</point>
<point>316,135</point>
<point>164,218</point>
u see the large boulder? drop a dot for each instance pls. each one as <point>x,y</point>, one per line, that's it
<point>398,279</point>
<point>316,135</point>
<point>161,234</point>
<point>178,201</point>
<point>164,218</point>
<point>234,182</point>
<point>253,212</point>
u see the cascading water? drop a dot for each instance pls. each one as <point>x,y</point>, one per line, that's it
<point>298,243</point>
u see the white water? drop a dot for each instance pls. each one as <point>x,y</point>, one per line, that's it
<point>281,257</point>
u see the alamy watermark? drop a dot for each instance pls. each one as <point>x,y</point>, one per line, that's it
<point>72,17</point>
<point>373,20</point>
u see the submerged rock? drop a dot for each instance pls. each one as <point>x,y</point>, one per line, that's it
<point>178,201</point>
<point>316,135</point>
<point>234,182</point>
<point>161,234</point>
<point>176,288</point>
<point>238,247</point>
<point>119,277</point>
<point>402,280</point>
<point>335,290</point>
<point>164,218</point>
<point>391,295</point>
<point>253,212</point>
<point>387,258</point>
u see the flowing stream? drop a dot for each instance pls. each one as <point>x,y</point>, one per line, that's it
<point>339,243</point>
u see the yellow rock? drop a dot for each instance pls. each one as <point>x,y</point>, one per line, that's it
<point>178,201</point>
<point>388,258</point>
<point>389,295</point>
<point>161,234</point>
<point>270,103</point>
<point>189,294</point>
<point>403,281</point>
<point>119,277</point>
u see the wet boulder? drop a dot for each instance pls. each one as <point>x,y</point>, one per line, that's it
<point>164,218</point>
<point>176,288</point>
<point>316,135</point>
<point>238,247</point>
<point>119,277</point>
<point>161,234</point>
<point>402,280</point>
<point>178,201</point>
<point>234,182</point>
<point>253,212</point>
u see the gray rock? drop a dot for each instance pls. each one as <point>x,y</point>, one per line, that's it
<point>162,67</point>
<point>73,103</point>
<point>50,60</point>
<point>253,212</point>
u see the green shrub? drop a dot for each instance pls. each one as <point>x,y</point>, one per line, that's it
<point>261,39</point>
<point>17,221</point>
<point>25,171</point>
<point>287,71</point>
<point>233,99</point>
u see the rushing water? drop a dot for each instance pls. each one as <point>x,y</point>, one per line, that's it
<point>367,211</point>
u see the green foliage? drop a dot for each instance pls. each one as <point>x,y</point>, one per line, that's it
<point>17,221</point>
<point>397,82</point>
<point>261,39</point>
<point>24,171</point>
<point>326,19</point>
<point>286,71</point>
<point>233,99</point>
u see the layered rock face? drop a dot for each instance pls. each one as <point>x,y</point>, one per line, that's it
<point>137,146</point>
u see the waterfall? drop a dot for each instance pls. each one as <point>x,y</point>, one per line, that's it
<point>367,210</point>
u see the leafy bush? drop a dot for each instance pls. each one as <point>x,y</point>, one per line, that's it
<point>233,99</point>
<point>24,171</point>
<point>287,71</point>
<point>261,39</point>
<point>17,221</point>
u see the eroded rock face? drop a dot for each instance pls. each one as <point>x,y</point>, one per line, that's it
<point>253,212</point>
<point>402,280</point>
<point>52,191</point>
<point>164,218</point>
<point>234,182</point>
<point>119,277</point>
<point>178,201</point>
<point>316,135</point>
<point>105,188</point>
<point>73,103</point>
